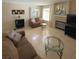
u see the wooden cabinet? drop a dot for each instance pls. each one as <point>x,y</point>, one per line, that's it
<point>72,7</point>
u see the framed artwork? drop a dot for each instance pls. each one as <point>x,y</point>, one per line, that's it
<point>60,8</point>
<point>21,11</point>
<point>18,12</point>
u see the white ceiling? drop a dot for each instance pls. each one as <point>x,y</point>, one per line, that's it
<point>37,2</point>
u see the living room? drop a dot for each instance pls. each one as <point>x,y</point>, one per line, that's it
<point>39,20</point>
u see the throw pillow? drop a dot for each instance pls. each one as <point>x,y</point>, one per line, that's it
<point>33,20</point>
<point>14,36</point>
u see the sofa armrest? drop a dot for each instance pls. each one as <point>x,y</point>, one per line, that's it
<point>37,57</point>
<point>9,51</point>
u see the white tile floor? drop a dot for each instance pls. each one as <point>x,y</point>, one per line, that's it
<point>36,36</point>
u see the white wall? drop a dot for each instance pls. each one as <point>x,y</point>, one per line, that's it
<point>52,20</point>
<point>8,20</point>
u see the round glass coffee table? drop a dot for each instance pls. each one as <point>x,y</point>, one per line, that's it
<point>43,25</point>
<point>53,43</point>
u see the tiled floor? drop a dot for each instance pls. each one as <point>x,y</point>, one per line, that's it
<point>36,36</point>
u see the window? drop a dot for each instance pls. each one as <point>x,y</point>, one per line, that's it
<point>46,12</point>
<point>34,12</point>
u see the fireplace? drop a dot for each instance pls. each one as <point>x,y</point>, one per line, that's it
<point>60,25</point>
<point>19,23</point>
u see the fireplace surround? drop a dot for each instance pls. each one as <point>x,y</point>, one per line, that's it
<point>60,25</point>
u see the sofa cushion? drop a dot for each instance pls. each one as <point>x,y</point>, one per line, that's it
<point>37,19</point>
<point>25,49</point>
<point>33,20</point>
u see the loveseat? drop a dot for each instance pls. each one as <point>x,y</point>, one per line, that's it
<point>22,50</point>
<point>36,22</point>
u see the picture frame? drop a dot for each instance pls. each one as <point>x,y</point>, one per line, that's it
<point>60,8</point>
<point>18,12</point>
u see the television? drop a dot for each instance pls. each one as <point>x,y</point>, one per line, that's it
<point>71,19</point>
<point>19,23</point>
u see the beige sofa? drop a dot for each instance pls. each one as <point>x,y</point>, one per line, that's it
<point>23,49</point>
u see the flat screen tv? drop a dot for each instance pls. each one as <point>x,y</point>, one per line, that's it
<point>71,19</point>
<point>19,23</point>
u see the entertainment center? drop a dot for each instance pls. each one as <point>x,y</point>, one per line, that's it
<point>70,26</point>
